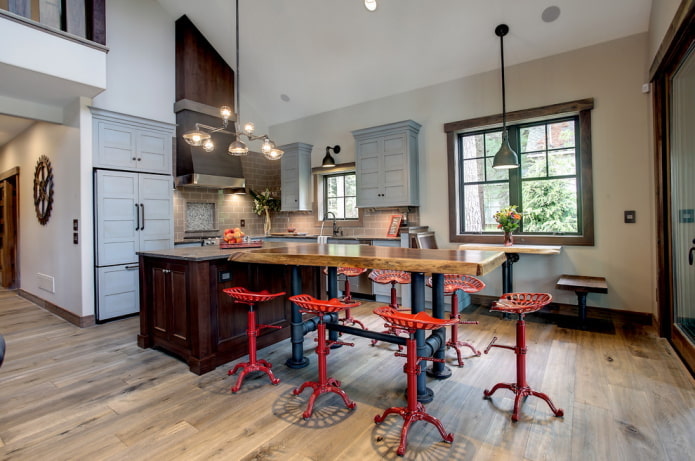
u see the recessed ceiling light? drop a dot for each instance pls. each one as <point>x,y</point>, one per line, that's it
<point>550,14</point>
<point>370,5</point>
<point>284,97</point>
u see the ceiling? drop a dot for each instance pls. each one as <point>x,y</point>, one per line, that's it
<point>304,57</point>
<point>328,54</point>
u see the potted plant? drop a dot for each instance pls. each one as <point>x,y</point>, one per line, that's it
<point>264,203</point>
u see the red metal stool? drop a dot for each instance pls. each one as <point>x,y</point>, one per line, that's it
<point>347,299</point>
<point>393,277</point>
<point>520,303</point>
<point>244,296</point>
<point>325,384</point>
<point>453,283</point>
<point>415,411</point>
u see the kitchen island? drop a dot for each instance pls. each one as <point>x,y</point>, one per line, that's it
<point>184,311</point>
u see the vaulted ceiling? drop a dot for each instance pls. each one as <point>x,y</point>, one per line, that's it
<point>303,57</point>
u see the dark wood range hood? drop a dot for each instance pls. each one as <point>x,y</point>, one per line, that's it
<point>204,82</point>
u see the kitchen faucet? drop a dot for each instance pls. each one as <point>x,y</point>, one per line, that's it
<point>336,229</point>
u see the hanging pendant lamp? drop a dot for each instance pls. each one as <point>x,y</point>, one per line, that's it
<point>505,158</point>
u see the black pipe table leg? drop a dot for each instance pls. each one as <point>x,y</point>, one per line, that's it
<point>508,277</point>
<point>297,360</point>
<point>332,285</point>
<point>439,370</point>
<point>417,304</point>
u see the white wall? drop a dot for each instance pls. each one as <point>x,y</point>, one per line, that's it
<point>48,249</point>
<point>140,81</point>
<point>140,72</point>
<point>612,74</point>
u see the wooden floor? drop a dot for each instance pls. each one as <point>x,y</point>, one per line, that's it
<point>91,394</point>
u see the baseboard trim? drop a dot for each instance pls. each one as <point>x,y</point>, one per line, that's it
<point>82,322</point>
<point>641,318</point>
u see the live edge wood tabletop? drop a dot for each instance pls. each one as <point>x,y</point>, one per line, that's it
<point>469,262</point>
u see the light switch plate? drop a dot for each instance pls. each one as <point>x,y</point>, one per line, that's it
<point>630,216</point>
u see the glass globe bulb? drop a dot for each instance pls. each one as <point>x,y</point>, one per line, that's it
<point>370,5</point>
<point>226,112</point>
<point>195,137</point>
<point>267,146</point>
<point>249,128</point>
<point>208,145</point>
<point>238,147</point>
<point>274,154</point>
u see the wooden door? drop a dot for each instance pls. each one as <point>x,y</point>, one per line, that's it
<point>8,250</point>
<point>682,191</point>
<point>673,76</point>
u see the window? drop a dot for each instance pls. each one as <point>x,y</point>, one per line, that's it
<point>552,186</point>
<point>340,195</point>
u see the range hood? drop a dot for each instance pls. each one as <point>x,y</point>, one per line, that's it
<point>195,167</point>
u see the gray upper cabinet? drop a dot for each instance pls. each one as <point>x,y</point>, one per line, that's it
<point>296,177</point>
<point>131,143</point>
<point>386,165</point>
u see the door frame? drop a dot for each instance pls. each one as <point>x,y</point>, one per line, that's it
<point>11,176</point>
<point>674,48</point>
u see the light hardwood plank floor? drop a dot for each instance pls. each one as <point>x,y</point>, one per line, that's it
<point>91,394</point>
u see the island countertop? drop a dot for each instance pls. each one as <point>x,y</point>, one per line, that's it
<point>204,253</point>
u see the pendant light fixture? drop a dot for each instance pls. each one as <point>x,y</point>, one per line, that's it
<point>328,160</point>
<point>505,158</point>
<point>201,136</point>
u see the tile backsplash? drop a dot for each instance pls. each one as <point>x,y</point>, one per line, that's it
<point>199,216</point>
<point>196,207</point>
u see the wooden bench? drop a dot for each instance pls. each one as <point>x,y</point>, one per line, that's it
<point>582,285</point>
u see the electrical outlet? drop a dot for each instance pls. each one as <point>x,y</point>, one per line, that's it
<point>630,216</point>
<point>242,223</point>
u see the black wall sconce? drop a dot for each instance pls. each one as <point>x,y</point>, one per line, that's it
<point>328,160</point>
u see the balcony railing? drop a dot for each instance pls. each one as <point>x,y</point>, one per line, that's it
<point>82,18</point>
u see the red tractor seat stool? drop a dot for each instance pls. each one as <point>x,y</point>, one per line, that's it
<point>308,304</point>
<point>520,304</point>
<point>414,411</point>
<point>250,298</point>
<point>347,298</point>
<point>393,277</point>
<point>468,284</point>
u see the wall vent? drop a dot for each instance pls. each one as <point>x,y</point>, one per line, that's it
<point>46,282</point>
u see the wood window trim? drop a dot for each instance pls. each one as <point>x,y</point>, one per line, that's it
<point>582,108</point>
<point>318,174</point>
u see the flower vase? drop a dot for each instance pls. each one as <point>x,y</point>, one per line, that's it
<point>508,239</point>
<point>266,224</point>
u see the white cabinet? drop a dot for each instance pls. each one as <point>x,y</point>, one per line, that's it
<point>118,291</point>
<point>296,177</point>
<point>386,165</point>
<point>134,211</point>
<point>131,143</point>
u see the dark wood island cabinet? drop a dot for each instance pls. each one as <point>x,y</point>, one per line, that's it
<point>184,311</point>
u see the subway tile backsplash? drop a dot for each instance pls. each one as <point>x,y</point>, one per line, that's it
<point>197,207</point>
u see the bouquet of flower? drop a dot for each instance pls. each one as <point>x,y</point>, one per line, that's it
<point>264,202</point>
<point>508,219</point>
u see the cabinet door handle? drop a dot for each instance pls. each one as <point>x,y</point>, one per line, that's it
<point>142,210</point>
<point>137,217</point>
<point>130,268</point>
